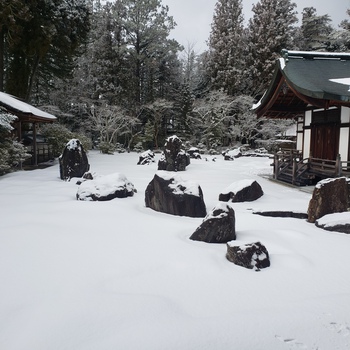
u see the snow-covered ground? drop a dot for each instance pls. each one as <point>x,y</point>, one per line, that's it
<point>116,275</point>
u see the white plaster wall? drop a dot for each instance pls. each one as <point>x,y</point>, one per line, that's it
<point>307,141</point>
<point>344,143</point>
<point>344,134</point>
<point>345,115</point>
<point>308,115</point>
<point>299,141</point>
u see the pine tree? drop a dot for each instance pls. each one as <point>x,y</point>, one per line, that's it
<point>48,35</point>
<point>147,26</point>
<point>345,24</point>
<point>315,31</point>
<point>183,111</point>
<point>12,13</point>
<point>270,30</point>
<point>341,38</point>
<point>226,47</point>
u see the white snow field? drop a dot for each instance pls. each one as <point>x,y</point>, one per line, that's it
<point>116,275</point>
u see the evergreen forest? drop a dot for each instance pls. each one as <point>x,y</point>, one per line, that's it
<point>111,73</point>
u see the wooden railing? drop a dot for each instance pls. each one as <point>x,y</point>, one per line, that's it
<point>291,164</point>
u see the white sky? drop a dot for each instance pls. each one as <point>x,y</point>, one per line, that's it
<point>194,17</point>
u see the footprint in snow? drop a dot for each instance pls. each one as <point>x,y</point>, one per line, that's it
<point>342,329</point>
<point>292,343</point>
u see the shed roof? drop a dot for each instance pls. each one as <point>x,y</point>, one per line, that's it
<point>305,78</point>
<point>24,111</point>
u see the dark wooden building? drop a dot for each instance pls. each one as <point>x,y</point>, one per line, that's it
<point>28,118</point>
<point>314,89</point>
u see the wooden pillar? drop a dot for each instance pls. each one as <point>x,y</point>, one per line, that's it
<point>276,166</point>
<point>35,147</point>
<point>338,168</point>
<point>19,136</point>
<point>295,168</point>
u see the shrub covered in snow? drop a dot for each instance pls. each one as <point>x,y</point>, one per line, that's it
<point>107,148</point>
<point>57,135</point>
<point>12,153</point>
<point>138,147</point>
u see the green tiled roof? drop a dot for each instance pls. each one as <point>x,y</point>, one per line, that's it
<point>312,74</point>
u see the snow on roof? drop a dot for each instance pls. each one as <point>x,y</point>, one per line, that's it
<point>344,81</point>
<point>320,54</point>
<point>282,63</point>
<point>20,106</point>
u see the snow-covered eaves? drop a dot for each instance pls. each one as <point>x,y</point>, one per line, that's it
<point>23,109</point>
<point>315,54</point>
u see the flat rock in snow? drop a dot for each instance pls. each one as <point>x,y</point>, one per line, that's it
<point>105,188</point>
<point>338,222</point>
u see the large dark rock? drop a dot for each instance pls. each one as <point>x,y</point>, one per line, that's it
<point>73,161</point>
<point>242,191</point>
<point>146,158</point>
<point>218,226</point>
<point>251,256</point>
<point>329,196</point>
<point>105,188</point>
<point>232,154</point>
<point>173,158</point>
<point>170,194</point>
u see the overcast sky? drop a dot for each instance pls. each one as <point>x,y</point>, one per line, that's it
<point>194,17</point>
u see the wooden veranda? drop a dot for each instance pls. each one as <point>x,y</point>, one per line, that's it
<point>289,166</point>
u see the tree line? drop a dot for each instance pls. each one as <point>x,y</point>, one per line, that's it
<point>110,70</point>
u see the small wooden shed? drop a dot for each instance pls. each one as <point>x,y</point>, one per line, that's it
<point>314,89</point>
<point>28,117</point>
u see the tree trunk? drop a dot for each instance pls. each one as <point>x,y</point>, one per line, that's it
<point>32,77</point>
<point>2,38</point>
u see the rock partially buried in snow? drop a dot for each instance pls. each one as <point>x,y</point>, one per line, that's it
<point>241,191</point>
<point>338,222</point>
<point>282,214</point>
<point>218,226</point>
<point>146,158</point>
<point>105,188</point>
<point>251,256</point>
<point>194,153</point>
<point>170,194</point>
<point>232,154</point>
